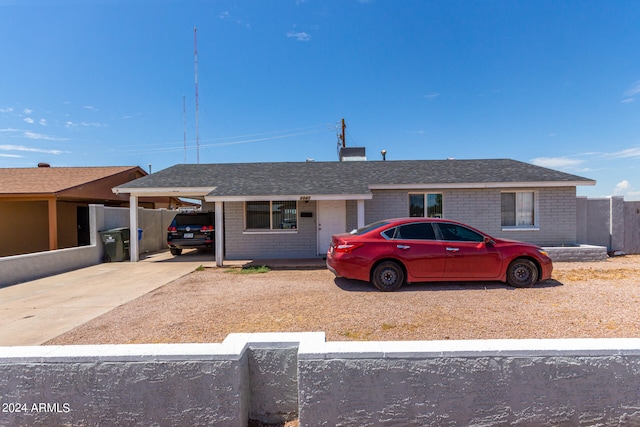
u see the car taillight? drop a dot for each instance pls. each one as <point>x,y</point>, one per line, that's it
<point>347,247</point>
<point>172,229</point>
<point>207,228</point>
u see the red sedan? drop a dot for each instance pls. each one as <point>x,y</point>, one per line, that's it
<point>391,252</point>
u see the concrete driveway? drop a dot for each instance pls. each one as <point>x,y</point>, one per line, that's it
<point>32,313</point>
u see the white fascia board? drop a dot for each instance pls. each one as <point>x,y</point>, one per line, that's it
<point>165,192</point>
<point>288,197</point>
<point>531,184</point>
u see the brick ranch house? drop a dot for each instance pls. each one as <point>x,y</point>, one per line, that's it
<point>290,210</point>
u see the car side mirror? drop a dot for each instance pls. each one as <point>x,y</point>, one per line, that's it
<point>488,241</point>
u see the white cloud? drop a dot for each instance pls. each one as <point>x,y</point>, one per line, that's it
<point>629,153</point>
<point>633,90</point>
<point>624,188</point>
<point>28,120</point>
<point>556,162</point>
<point>432,95</point>
<point>90,108</point>
<point>630,94</point>
<point>299,36</point>
<point>15,156</point>
<point>30,149</point>
<point>71,124</point>
<point>34,135</point>
<point>28,111</point>
<point>43,122</point>
<point>6,110</point>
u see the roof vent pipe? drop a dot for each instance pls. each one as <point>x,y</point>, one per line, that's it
<point>384,155</point>
<point>44,165</point>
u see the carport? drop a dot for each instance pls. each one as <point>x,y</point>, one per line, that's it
<point>189,192</point>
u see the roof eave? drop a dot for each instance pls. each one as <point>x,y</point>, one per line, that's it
<point>165,191</point>
<point>444,185</point>
<point>302,197</point>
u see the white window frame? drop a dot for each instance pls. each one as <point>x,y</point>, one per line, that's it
<point>535,226</point>
<point>424,198</point>
<point>270,230</point>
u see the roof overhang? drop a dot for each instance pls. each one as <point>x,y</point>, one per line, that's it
<point>302,197</point>
<point>165,192</point>
<point>440,185</point>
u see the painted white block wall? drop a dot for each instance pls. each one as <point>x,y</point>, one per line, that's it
<point>274,377</point>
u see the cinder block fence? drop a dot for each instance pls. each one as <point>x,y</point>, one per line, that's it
<point>283,376</point>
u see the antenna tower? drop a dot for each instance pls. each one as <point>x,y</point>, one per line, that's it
<point>184,125</point>
<point>195,55</point>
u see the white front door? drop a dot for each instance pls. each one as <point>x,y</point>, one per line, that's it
<point>332,219</point>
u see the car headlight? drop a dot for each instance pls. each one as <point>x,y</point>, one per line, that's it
<point>543,252</point>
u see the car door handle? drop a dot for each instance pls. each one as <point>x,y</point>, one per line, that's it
<point>404,247</point>
<point>453,249</point>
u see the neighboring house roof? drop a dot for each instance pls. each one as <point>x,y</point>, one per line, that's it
<point>229,181</point>
<point>53,180</point>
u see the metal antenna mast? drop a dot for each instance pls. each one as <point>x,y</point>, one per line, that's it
<point>184,125</point>
<point>195,54</point>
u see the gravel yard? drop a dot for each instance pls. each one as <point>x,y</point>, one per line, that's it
<point>583,300</point>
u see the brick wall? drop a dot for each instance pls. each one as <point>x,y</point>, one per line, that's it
<point>246,245</point>
<point>480,208</point>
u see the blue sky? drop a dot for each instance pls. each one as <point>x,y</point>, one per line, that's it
<point>554,83</point>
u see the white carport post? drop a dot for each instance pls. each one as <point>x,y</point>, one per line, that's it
<point>133,228</point>
<point>361,213</point>
<point>219,233</point>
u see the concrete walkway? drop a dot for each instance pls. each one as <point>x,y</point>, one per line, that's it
<point>32,313</point>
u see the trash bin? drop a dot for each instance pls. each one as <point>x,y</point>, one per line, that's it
<point>116,244</point>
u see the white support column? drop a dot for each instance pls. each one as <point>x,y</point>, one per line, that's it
<point>133,228</point>
<point>361,214</point>
<point>219,233</point>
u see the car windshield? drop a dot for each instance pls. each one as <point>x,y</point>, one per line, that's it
<point>369,227</point>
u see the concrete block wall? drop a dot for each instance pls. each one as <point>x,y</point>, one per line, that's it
<point>276,377</point>
<point>480,208</point>
<point>489,383</point>
<point>189,384</point>
<point>239,244</point>
<point>632,227</point>
<point>582,253</point>
<point>153,222</point>
<point>386,204</point>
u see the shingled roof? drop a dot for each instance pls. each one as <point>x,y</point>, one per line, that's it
<point>50,180</point>
<point>348,178</point>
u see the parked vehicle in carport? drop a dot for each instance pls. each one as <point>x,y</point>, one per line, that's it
<point>191,230</point>
<point>392,252</point>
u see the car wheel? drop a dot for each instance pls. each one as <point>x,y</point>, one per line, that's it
<point>522,273</point>
<point>388,276</point>
<point>175,251</point>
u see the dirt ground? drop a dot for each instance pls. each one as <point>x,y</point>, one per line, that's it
<point>582,300</point>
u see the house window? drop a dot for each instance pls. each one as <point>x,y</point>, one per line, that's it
<point>518,209</point>
<point>274,215</point>
<point>425,205</point>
